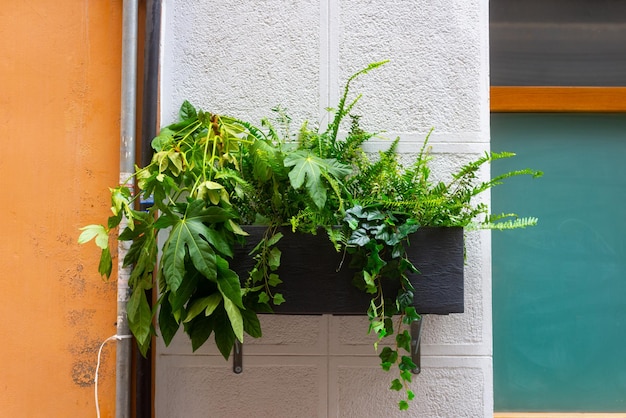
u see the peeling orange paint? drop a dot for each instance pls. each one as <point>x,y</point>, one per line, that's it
<point>59,118</point>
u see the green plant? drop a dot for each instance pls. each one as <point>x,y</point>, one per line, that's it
<point>211,174</point>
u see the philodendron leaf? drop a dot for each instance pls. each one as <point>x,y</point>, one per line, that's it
<point>307,169</point>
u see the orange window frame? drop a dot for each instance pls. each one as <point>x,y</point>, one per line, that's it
<point>558,99</point>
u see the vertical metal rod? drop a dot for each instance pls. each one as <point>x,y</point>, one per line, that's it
<point>127,163</point>
<point>238,357</point>
<point>416,350</point>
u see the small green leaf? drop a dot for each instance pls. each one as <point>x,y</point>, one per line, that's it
<point>263,298</point>
<point>274,239</point>
<point>403,405</point>
<point>404,340</point>
<point>273,280</point>
<point>387,355</point>
<point>278,299</point>
<point>406,375</point>
<point>410,315</point>
<point>406,365</point>
<point>386,366</point>
<point>396,385</point>
<point>274,259</point>
<point>410,395</point>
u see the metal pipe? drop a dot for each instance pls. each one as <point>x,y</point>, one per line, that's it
<point>130,23</point>
<point>149,126</point>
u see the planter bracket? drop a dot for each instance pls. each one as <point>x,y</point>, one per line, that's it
<point>416,336</point>
<point>237,357</point>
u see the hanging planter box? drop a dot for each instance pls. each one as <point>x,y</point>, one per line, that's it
<point>316,281</point>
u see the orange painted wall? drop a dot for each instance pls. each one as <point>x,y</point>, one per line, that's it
<point>59,151</point>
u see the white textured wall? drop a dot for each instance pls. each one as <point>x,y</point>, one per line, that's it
<point>244,57</point>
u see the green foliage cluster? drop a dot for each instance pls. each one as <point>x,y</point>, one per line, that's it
<point>211,174</point>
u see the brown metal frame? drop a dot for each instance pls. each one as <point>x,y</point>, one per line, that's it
<point>558,99</point>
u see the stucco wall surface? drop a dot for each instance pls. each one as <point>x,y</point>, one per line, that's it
<point>59,111</point>
<point>243,58</point>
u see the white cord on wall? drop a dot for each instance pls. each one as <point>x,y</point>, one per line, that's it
<point>95,380</point>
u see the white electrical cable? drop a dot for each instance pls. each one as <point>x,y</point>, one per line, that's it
<point>95,380</point>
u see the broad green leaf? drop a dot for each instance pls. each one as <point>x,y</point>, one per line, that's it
<point>224,335</point>
<point>179,298</point>
<point>410,395</point>
<point>214,303</point>
<point>403,405</point>
<point>236,228</point>
<point>219,241</point>
<point>307,170</point>
<point>236,320</point>
<point>274,239</point>
<point>211,190</point>
<point>262,153</point>
<point>139,315</point>
<point>186,239</point>
<point>199,330</point>
<point>187,111</point>
<point>251,324</point>
<point>106,263</point>
<point>98,232</point>
<point>177,162</point>
<point>206,304</point>
<point>167,323</point>
<point>228,282</point>
<point>165,137</point>
<point>146,257</point>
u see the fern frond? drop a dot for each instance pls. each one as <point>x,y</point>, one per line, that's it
<point>510,224</point>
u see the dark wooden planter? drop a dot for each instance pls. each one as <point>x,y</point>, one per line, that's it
<point>312,283</point>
